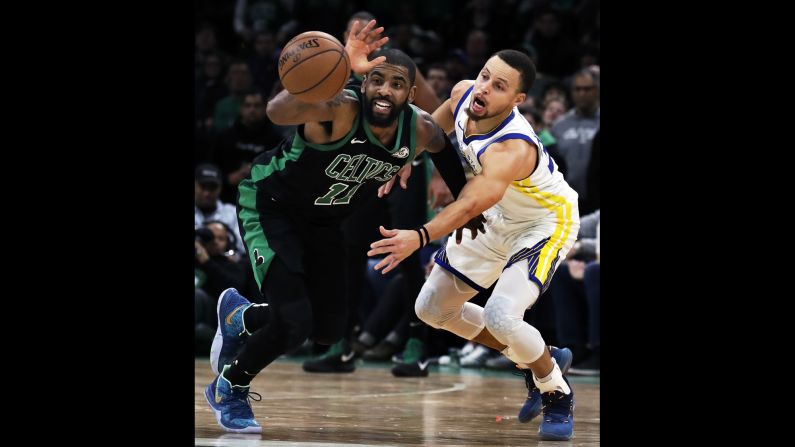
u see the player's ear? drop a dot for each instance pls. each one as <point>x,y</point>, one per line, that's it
<point>364,81</point>
<point>412,93</point>
<point>518,99</point>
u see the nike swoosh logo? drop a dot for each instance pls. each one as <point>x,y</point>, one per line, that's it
<point>229,317</point>
<point>346,357</point>
<point>355,141</point>
<point>416,162</point>
<point>423,365</point>
<point>460,127</point>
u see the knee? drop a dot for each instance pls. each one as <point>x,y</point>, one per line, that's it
<point>427,308</point>
<point>498,318</point>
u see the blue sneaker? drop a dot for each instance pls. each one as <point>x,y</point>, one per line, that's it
<point>558,421</point>
<point>532,405</point>
<point>231,331</point>
<point>230,405</point>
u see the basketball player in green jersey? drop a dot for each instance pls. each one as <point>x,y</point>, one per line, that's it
<point>290,209</point>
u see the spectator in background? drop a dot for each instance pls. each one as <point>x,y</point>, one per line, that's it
<point>217,267</point>
<point>554,91</point>
<point>589,55</point>
<point>264,63</point>
<point>534,118</point>
<point>250,135</point>
<point>439,81</point>
<point>528,104</point>
<point>217,259</point>
<point>557,52</point>
<point>226,110</point>
<point>574,132</point>
<point>593,177</point>
<point>477,52</point>
<point>577,293</point>
<point>252,17</point>
<point>207,206</point>
<point>210,88</point>
<point>555,109</point>
<point>205,43</point>
<point>455,63</point>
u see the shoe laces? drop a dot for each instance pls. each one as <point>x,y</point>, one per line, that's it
<point>557,406</point>
<point>240,403</point>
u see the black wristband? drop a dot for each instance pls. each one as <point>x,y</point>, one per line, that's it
<point>419,233</point>
<point>427,236</point>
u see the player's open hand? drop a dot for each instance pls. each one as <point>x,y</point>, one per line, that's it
<point>398,245</point>
<point>475,224</point>
<point>404,174</point>
<point>362,42</point>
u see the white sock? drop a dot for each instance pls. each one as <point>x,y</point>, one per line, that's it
<point>553,382</point>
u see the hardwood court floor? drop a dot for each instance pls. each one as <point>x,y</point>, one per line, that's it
<point>450,407</point>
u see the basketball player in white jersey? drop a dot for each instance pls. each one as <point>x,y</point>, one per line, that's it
<point>532,222</point>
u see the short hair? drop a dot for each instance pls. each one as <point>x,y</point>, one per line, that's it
<point>251,91</point>
<point>397,57</point>
<point>521,63</point>
<point>587,72</point>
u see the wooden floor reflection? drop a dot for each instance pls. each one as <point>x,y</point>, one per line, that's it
<point>370,407</point>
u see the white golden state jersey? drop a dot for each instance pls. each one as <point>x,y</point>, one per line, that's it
<point>542,195</point>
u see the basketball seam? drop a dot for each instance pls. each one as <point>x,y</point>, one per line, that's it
<point>310,57</point>
<point>348,64</point>
<point>314,37</point>
<point>324,77</point>
<point>335,41</point>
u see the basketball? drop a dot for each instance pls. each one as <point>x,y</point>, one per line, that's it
<point>314,67</point>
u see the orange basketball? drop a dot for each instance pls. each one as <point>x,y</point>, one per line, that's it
<point>314,67</point>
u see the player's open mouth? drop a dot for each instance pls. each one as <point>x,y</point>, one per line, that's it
<point>382,106</point>
<point>478,106</point>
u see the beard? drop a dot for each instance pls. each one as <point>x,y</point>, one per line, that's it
<point>381,120</point>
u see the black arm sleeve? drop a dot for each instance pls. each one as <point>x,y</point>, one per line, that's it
<point>449,166</point>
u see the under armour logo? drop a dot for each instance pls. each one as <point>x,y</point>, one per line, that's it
<point>355,141</point>
<point>260,259</point>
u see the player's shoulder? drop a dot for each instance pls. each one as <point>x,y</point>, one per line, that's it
<point>461,87</point>
<point>424,123</point>
<point>459,90</point>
